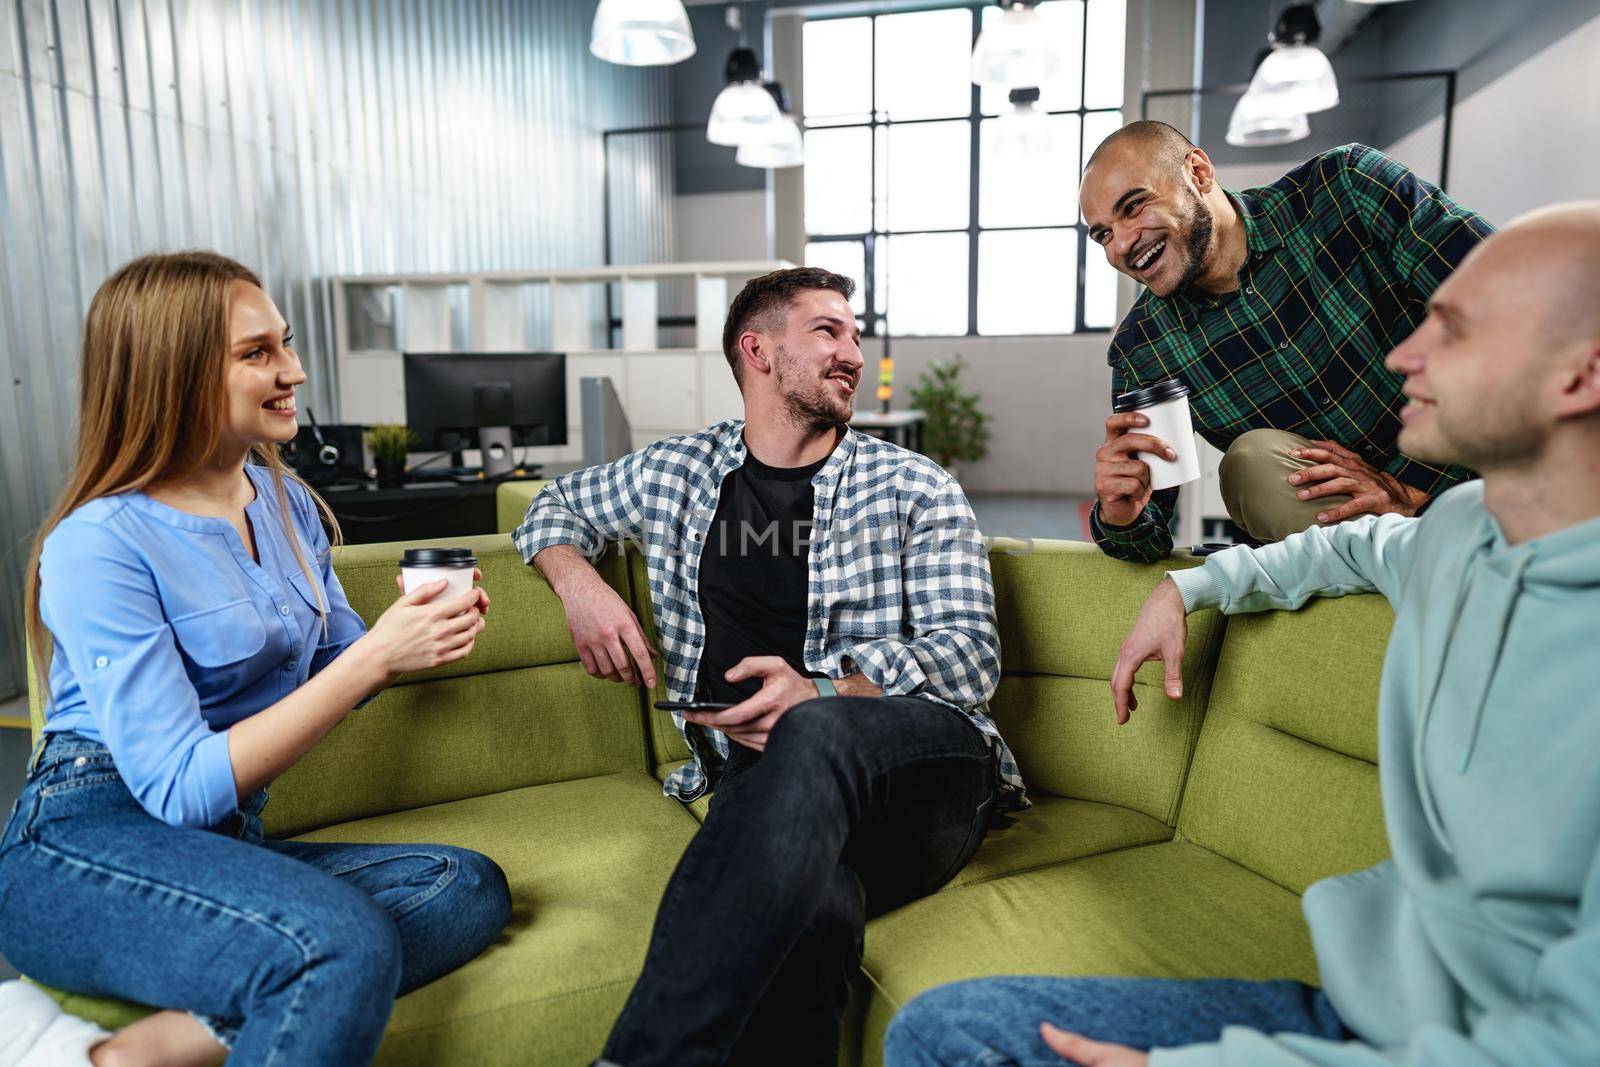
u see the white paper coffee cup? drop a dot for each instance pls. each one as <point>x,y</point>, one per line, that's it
<point>1166,405</point>
<point>420,566</point>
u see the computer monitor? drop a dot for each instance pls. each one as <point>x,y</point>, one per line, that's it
<point>501,398</point>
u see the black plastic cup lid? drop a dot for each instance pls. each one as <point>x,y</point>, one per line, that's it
<point>438,557</point>
<point>1150,396</point>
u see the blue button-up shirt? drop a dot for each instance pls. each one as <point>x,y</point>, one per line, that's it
<point>167,633</point>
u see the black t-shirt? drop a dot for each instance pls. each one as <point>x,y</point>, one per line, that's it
<point>753,573</point>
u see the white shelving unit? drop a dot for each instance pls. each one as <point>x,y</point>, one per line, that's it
<point>665,389</point>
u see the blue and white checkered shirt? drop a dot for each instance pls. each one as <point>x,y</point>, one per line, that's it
<point>899,576</point>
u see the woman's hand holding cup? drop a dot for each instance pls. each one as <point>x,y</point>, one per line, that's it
<point>423,629</point>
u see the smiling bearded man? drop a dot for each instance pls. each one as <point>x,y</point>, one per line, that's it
<point>831,592</point>
<point>1276,307</point>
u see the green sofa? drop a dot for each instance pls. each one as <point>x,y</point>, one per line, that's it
<point>1177,845</point>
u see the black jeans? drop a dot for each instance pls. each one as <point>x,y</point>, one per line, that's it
<point>858,805</point>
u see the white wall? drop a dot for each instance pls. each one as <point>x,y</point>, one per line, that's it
<point>1048,396</point>
<point>721,227</point>
<point>1526,139</point>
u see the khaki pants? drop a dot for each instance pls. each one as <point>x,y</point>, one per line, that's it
<point>1255,488</point>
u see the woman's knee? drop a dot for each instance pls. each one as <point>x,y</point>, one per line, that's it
<point>480,895</point>
<point>348,934</point>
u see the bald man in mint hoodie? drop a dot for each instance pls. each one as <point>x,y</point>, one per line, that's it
<point>1478,943</point>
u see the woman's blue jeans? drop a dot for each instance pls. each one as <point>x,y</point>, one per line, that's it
<point>994,1022</point>
<point>291,952</point>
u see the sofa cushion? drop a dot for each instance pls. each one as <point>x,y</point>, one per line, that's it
<point>1169,910</point>
<point>1064,610</point>
<point>519,711</point>
<point>436,741</point>
<point>511,500</point>
<point>1284,779</point>
<point>586,861</point>
<point>527,625</point>
<point>1054,830</point>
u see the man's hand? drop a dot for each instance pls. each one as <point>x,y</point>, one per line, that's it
<point>604,629</point>
<point>1159,632</point>
<point>1340,471</point>
<point>1080,1050</point>
<point>750,721</point>
<point>1121,479</point>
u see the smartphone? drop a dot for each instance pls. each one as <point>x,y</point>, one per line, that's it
<point>691,705</point>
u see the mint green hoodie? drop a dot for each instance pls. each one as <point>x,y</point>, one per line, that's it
<point>1479,942</point>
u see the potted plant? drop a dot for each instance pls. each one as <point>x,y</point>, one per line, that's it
<point>956,431</point>
<point>390,444</point>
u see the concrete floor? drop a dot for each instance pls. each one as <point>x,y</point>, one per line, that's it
<point>998,516</point>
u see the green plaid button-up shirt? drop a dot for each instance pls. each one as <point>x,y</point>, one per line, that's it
<point>1343,254</point>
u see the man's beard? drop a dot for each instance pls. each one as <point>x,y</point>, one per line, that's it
<point>809,404</point>
<point>1197,229</point>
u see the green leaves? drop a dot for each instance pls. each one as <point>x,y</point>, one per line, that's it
<point>956,431</point>
<point>390,440</point>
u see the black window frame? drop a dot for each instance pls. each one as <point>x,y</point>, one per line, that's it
<point>871,320</point>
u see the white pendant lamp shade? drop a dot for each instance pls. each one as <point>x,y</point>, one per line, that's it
<point>641,33</point>
<point>745,114</point>
<point>1018,48</point>
<point>1295,79</point>
<point>788,152</point>
<point>1024,130</point>
<point>1252,126</point>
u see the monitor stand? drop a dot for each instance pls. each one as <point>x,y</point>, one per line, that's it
<point>494,444</point>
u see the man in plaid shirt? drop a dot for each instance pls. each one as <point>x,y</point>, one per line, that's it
<point>833,592</point>
<point>1276,306</point>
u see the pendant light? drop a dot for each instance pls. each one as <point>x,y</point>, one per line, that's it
<point>788,151</point>
<point>1250,127</point>
<point>1295,78</point>
<point>1018,48</point>
<point>744,112</point>
<point>641,33</point>
<point>1024,130</point>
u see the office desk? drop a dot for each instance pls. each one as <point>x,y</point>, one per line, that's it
<point>903,428</point>
<point>415,512</point>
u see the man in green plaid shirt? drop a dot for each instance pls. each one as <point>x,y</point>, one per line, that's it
<point>1276,307</point>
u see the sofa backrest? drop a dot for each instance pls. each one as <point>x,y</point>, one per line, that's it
<point>520,711</point>
<point>1064,609</point>
<point>1284,779</point>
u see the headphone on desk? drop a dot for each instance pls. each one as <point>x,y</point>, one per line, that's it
<point>328,453</point>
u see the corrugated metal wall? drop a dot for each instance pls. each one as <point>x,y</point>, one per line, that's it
<point>306,139</point>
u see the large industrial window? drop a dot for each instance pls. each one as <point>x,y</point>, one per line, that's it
<point>906,192</point>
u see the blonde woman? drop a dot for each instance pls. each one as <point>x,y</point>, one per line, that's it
<point>198,643</point>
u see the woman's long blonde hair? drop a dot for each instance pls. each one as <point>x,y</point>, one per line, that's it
<point>151,397</point>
